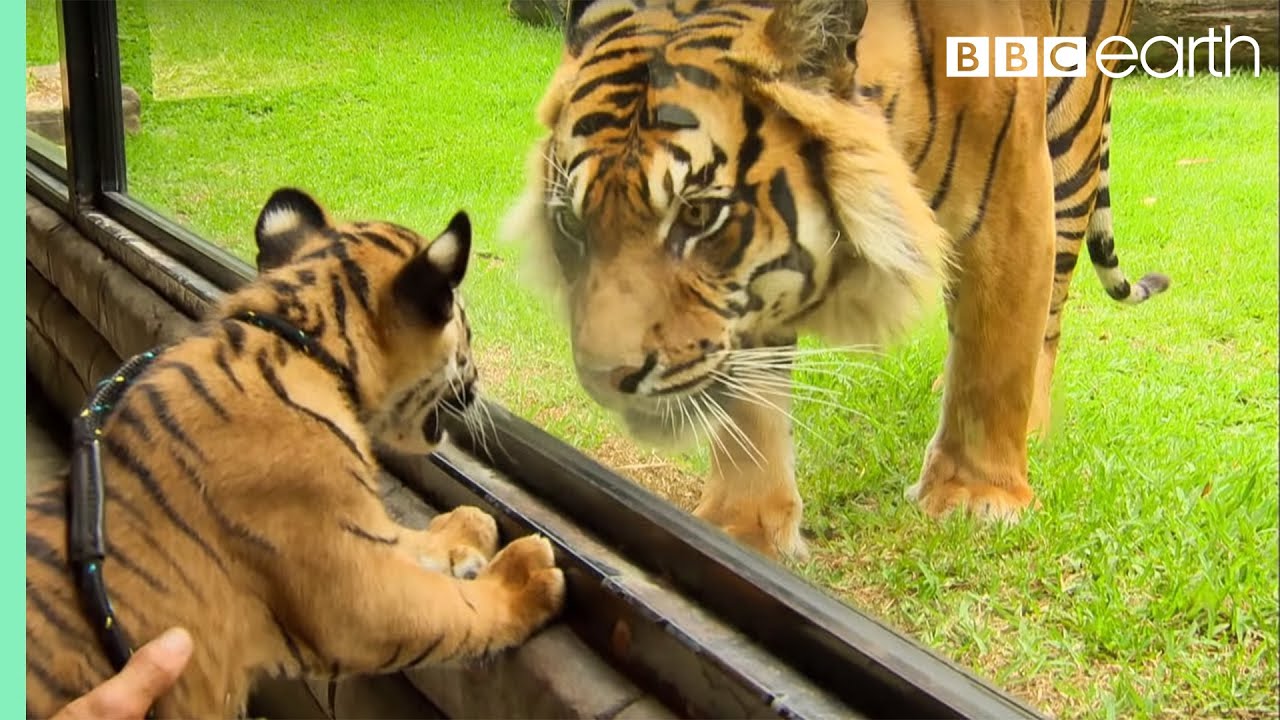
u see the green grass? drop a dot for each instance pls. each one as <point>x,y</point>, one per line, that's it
<point>42,32</point>
<point>1146,585</point>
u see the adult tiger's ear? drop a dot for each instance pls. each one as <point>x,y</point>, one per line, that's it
<point>424,287</point>
<point>802,39</point>
<point>810,36</point>
<point>289,216</point>
<point>901,256</point>
<point>585,19</point>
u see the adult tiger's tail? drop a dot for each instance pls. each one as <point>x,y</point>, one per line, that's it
<point>1101,241</point>
<point>1079,121</point>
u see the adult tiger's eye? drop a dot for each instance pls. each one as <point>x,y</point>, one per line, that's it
<point>569,241</point>
<point>697,214</point>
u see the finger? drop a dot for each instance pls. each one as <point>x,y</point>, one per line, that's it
<point>150,672</point>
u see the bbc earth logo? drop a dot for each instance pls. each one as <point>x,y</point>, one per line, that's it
<point>1066,56</point>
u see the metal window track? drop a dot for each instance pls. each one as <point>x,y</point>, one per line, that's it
<point>875,670</point>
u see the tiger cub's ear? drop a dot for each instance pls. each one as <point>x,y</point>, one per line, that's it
<point>289,216</point>
<point>424,287</point>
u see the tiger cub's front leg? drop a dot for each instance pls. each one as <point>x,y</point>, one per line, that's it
<point>457,543</point>
<point>372,606</point>
<point>751,490</point>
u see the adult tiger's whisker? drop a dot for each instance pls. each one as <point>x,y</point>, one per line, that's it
<point>785,383</point>
<point>740,391</point>
<point>711,433</point>
<point>727,422</point>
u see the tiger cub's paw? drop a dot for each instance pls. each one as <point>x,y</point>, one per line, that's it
<point>461,542</point>
<point>534,587</point>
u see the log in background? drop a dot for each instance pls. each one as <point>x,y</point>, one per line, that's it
<point>1258,19</point>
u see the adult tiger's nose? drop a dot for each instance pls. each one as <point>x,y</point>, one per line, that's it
<point>625,379</point>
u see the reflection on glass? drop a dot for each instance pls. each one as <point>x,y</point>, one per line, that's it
<point>44,81</point>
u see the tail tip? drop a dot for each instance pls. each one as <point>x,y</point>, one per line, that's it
<point>1154,283</point>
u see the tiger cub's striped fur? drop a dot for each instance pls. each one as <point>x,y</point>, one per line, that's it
<point>720,176</point>
<point>241,484</point>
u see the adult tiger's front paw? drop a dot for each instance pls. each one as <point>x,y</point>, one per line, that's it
<point>460,542</point>
<point>949,483</point>
<point>770,526</point>
<point>531,585</point>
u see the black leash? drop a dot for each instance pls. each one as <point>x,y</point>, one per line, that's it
<point>86,548</point>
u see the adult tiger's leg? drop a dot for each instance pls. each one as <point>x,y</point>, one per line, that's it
<point>1079,145</point>
<point>751,491</point>
<point>1076,196</point>
<point>977,460</point>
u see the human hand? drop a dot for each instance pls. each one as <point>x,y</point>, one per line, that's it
<point>128,695</point>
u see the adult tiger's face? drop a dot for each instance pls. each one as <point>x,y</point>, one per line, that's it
<point>682,210</point>
<point>680,239</point>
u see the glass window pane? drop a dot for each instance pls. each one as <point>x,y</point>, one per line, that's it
<point>405,111</point>
<point>44,81</point>
<point>409,111</point>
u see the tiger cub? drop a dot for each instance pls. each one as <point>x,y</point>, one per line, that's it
<point>241,488</point>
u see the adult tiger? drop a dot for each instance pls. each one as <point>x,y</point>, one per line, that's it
<point>720,176</point>
<point>241,490</point>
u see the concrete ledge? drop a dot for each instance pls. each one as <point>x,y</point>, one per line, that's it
<point>130,316</point>
<point>554,675</point>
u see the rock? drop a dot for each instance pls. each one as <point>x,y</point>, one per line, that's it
<point>540,13</point>
<point>131,106</point>
<point>44,104</point>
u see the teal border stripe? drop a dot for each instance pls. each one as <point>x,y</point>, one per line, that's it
<point>13,285</point>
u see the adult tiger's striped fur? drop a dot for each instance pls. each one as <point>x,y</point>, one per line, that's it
<point>241,485</point>
<point>718,177</point>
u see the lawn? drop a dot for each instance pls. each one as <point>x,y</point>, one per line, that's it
<point>1145,586</point>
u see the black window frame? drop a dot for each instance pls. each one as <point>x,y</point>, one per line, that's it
<point>40,150</point>
<point>840,648</point>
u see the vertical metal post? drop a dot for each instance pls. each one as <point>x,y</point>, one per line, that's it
<point>91,109</point>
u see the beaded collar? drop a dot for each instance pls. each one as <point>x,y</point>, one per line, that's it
<point>305,343</point>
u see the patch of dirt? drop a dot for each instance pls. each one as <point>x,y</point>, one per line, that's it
<point>1041,690</point>
<point>651,470</point>
<point>495,364</point>
<point>44,87</point>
